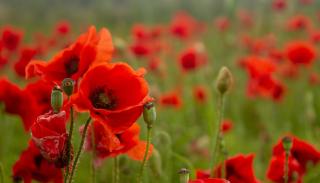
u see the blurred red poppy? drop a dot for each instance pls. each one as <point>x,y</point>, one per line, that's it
<point>279,4</point>
<point>108,144</point>
<point>298,23</point>
<point>222,24</point>
<point>192,58</point>
<point>300,52</point>
<point>183,25</point>
<point>226,126</point>
<point>62,28</point>
<point>50,136</point>
<point>25,56</point>
<point>11,38</point>
<point>32,166</point>
<point>113,93</point>
<point>172,99</point>
<point>200,94</point>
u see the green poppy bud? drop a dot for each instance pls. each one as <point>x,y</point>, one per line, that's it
<point>56,99</point>
<point>68,86</point>
<point>224,80</point>
<point>149,114</point>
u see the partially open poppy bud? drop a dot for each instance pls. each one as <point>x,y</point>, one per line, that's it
<point>184,175</point>
<point>287,143</point>
<point>224,80</point>
<point>68,86</point>
<point>149,114</point>
<point>56,99</point>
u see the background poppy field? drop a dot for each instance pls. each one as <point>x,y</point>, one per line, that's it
<point>271,48</point>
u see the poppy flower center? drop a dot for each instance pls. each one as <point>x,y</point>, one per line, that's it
<point>37,160</point>
<point>101,99</point>
<point>71,66</point>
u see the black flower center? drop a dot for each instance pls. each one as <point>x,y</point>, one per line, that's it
<point>71,65</point>
<point>37,160</point>
<point>102,99</point>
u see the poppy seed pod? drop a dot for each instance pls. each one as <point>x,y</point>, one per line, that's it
<point>68,86</point>
<point>56,99</point>
<point>287,143</point>
<point>184,175</point>
<point>149,114</point>
<point>224,80</point>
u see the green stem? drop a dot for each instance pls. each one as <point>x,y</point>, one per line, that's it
<point>115,173</point>
<point>145,155</point>
<point>1,173</point>
<point>286,167</point>
<point>93,169</point>
<point>69,143</point>
<point>74,166</point>
<point>215,151</point>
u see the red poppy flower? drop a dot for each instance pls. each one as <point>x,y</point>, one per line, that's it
<point>183,26</point>
<point>11,38</point>
<point>222,23</point>
<point>202,174</point>
<point>226,126</point>
<point>18,102</point>
<point>192,58</point>
<point>246,18</point>
<point>209,180</point>
<point>275,170</point>
<point>279,4</point>
<point>314,78</point>
<point>141,48</point>
<point>108,144</point>
<point>50,136</point>
<point>75,60</point>
<point>261,80</point>
<point>25,56</point>
<point>32,166</point>
<point>62,28</point>
<point>300,53</point>
<point>113,93</point>
<point>172,99</point>
<point>301,151</point>
<point>200,94</point>
<point>298,22</point>
<point>40,92</point>
<point>239,169</point>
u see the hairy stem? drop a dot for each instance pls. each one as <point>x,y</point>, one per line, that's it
<point>74,166</point>
<point>144,162</point>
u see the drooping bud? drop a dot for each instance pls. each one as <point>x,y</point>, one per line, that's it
<point>149,114</point>
<point>224,80</point>
<point>56,99</point>
<point>287,143</point>
<point>184,175</point>
<point>68,86</point>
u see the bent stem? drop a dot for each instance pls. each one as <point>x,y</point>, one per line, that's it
<point>145,154</point>
<point>286,167</point>
<point>218,134</point>
<point>115,173</point>
<point>74,166</point>
<point>93,168</point>
<point>69,143</point>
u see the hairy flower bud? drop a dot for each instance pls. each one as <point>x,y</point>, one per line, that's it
<point>56,99</point>
<point>224,80</point>
<point>68,86</point>
<point>149,114</point>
